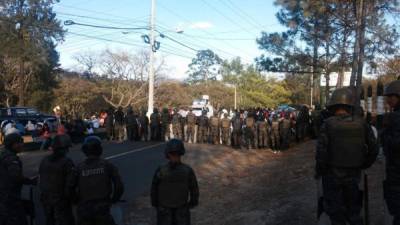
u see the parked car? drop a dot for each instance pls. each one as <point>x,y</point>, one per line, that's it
<point>24,114</point>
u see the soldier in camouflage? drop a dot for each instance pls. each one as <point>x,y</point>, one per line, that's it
<point>174,190</point>
<point>56,174</point>
<point>286,125</point>
<point>275,138</point>
<point>236,130</point>
<point>191,126</point>
<point>214,129</point>
<point>250,130</point>
<point>98,186</point>
<point>225,129</point>
<point>177,124</point>
<point>203,128</point>
<point>391,146</point>
<point>12,211</point>
<point>155,122</point>
<point>144,126</point>
<point>165,125</point>
<point>346,145</point>
<point>262,131</point>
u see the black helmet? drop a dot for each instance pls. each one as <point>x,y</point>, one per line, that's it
<point>11,139</point>
<point>92,146</point>
<point>393,88</point>
<point>175,145</point>
<point>61,142</point>
<point>342,96</point>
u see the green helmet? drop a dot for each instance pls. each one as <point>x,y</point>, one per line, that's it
<point>175,145</point>
<point>393,88</point>
<point>341,96</point>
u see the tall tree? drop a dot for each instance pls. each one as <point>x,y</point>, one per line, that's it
<point>204,67</point>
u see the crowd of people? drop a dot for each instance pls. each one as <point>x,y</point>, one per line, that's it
<point>252,128</point>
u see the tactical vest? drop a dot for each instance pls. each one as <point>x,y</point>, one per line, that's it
<point>131,120</point>
<point>94,181</point>
<point>225,123</point>
<point>237,124</point>
<point>165,118</point>
<point>173,188</point>
<point>191,118</point>
<point>214,121</point>
<point>286,124</point>
<point>203,121</point>
<point>347,144</point>
<point>53,177</point>
<point>250,122</point>
<point>261,125</point>
<point>155,119</point>
<point>275,125</point>
<point>176,119</point>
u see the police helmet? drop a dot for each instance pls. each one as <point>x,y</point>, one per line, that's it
<point>12,139</point>
<point>393,88</point>
<point>341,96</point>
<point>175,146</point>
<point>92,146</point>
<point>61,142</point>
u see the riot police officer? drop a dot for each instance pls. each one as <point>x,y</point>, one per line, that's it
<point>174,190</point>
<point>56,173</point>
<point>155,125</point>
<point>191,126</point>
<point>98,186</point>
<point>12,210</point>
<point>225,129</point>
<point>275,138</point>
<point>203,128</point>
<point>214,129</point>
<point>391,144</point>
<point>177,124</point>
<point>144,126</point>
<point>346,145</point>
<point>237,130</point>
<point>165,124</point>
<point>250,130</point>
<point>262,131</point>
<point>286,125</point>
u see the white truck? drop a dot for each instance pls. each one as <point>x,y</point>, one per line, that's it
<point>202,104</point>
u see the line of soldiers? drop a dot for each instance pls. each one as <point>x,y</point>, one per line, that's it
<point>255,130</point>
<point>346,146</point>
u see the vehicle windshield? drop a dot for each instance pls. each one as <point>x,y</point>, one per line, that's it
<point>32,112</point>
<point>20,112</point>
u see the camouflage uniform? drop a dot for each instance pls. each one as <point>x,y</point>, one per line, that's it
<point>285,132</point>
<point>262,128</point>
<point>236,131</point>
<point>225,129</point>
<point>275,139</point>
<point>214,129</point>
<point>155,125</point>
<point>191,125</point>
<point>165,124</point>
<point>177,125</point>
<point>203,129</point>
<point>144,126</point>
<point>250,131</point>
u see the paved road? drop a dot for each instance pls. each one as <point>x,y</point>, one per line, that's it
<point>135,161</point>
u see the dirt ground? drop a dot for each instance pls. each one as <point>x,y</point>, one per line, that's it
<point>256,187</point>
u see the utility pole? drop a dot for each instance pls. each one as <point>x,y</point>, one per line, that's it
<point>235,97</point>
<point>151,64</point>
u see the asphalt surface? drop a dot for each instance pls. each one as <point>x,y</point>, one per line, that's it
<point>136,162</point>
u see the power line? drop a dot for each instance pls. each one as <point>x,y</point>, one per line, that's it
<point>245,14</point>
<point>139,19</point>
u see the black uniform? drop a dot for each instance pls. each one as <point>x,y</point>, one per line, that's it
<point>109,123</point>
<point>12,210</point>
<point>346,145</point>
<point>174,191</point>
<point>236,131</point>
<point>98,186</point>
<point>131,126</point>
<point>56,186</point>
<point>165,123</point>
<point>391,142</point>
<point>144,126</point>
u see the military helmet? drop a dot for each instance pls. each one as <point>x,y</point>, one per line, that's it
<point>61,142</point>
<point>12,139</point>
<point>342,96</point>
<point>393,88</point>
<point>175,146</point>
<point>165,110</point>
<point>92,146</point>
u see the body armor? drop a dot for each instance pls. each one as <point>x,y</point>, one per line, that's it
<point>191,118</point>
<point>214,121</point>
<point>347,144</point>
<point>250,122</point>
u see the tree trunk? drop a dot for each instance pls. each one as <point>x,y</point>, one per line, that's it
<point>21,85</point>
<point>356,50</point>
